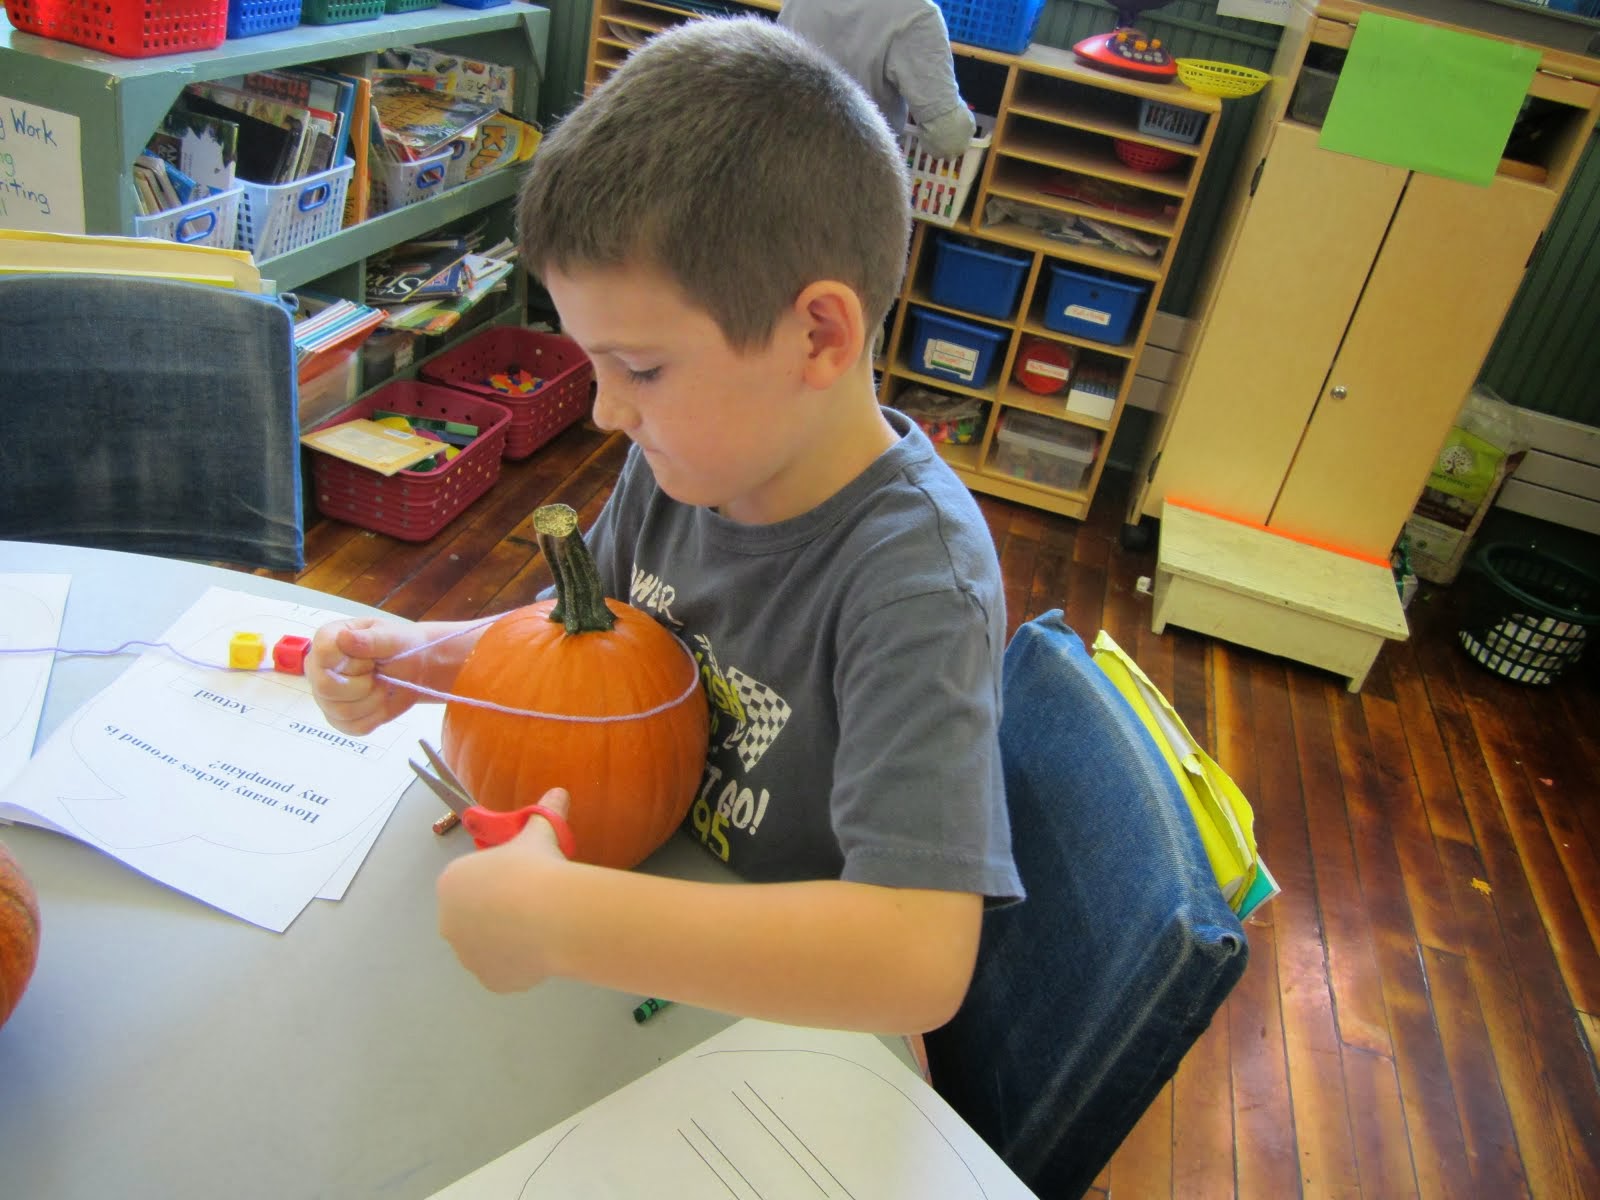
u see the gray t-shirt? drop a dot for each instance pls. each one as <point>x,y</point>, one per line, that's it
<point>852,658</point>
<point>899,52</point>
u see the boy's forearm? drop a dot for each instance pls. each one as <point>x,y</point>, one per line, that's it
<point>826,953</point>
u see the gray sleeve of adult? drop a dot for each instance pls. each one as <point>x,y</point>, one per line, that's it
<point>920,67</point>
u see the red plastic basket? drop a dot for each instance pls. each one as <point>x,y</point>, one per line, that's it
<point>413,505</point>
<point>561,400</point>
<point>126,28</point>
<point>1145,158</point>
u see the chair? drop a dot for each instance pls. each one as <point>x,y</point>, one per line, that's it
<point>1089,992</point>
<point>149,415</point>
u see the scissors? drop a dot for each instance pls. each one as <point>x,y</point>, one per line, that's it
<point>487,827</point>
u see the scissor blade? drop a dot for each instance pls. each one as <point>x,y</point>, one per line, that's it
<point>442,769</point>
<point>454,800</point>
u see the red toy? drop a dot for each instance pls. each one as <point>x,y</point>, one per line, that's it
<point>289,654</point>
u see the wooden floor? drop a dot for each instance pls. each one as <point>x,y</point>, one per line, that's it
<point>1421,1003</point>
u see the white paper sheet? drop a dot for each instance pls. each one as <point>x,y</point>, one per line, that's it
<point>223,784</point>
<point>1272,12</point>
<point>759,1110</point>
<point>31,608</point>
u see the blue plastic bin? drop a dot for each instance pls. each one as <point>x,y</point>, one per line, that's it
<point>948,348</point>
<point>986,282</point>
<point>1097,307</point>
<point>247,18</point>
<point>1004,25</point>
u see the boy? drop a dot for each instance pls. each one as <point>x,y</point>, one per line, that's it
<point>720,227</point>
<point>899,51</point>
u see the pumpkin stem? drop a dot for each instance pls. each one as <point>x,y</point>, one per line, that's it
<point>580,598</point>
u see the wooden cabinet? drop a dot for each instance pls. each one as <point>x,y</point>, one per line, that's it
<point>1053,147</point>
<point>1349,308</point>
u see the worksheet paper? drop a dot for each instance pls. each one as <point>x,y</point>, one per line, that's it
<point>31,608</point>
<point>227,785</point>
<point>759,1112</point>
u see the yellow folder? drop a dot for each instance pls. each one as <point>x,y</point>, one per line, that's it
<point>23,252</point>
<point>1221,813</point>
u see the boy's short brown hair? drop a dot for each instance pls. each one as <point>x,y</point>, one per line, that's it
<point>737,159</point>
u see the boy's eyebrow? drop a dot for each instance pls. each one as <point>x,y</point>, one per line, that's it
<point>619,348</point>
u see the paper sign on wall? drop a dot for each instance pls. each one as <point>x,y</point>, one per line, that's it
<point>1428,98</point>
<point>41,169</point>
<point>1273,12</point>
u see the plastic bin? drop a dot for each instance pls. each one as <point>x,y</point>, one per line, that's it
<point>125,28</point>
<point>940,186</point>
<point>1041,450</point>
<point>1097,307</point>
<point>1171,122</point>
<point>413,505</point>
<point>947,348</point>
<point>1004,25</point>
<point>1313,92</point>
<point>337,12</point>
<point>562,399</point>
<point>396,185</point>
<point>405,6</point>
<point>247,18</point>
<point>275,218</point>
<point>1529,614</point>
<point>976,278</point>
<point>211,221</point>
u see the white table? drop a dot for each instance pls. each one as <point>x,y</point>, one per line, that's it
<point>166,1050</point>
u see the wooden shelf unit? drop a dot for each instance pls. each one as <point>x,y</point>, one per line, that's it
<point>1055,115</point>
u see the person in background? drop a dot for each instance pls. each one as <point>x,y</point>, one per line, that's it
<point>899,51</point>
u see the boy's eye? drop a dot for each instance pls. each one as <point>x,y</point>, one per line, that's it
<point>647,375</point>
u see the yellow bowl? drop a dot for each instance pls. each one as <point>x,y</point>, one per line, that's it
<point>1220,78</point>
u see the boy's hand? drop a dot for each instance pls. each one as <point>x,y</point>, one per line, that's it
<point>343,665</point>
<point>490,908</point>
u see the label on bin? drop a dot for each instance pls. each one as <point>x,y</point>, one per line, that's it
<point>1050,370</point>
<point>1094,316</point>
<point>950,356</point>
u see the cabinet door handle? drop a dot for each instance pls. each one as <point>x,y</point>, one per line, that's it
<point>1339,392</point>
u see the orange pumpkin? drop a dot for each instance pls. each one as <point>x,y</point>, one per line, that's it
<point>623,724</point>
<point>19,933</point>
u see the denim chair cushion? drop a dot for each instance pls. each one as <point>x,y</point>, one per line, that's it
<point>149,415</point>
<point>1089,992</point>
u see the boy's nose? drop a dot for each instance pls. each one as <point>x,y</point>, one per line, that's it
<point>611,413</point>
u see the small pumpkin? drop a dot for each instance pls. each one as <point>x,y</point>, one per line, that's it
<point>623,724</point>
<point>19,933</point>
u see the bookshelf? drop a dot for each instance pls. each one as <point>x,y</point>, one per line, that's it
<point>120,101</point>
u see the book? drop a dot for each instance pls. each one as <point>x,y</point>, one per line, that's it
<point>265,152</point>
<point>416,122</point>
<point>368,444</point>
<point>413,271</point>
<point>207,147</point>
<point>489,82</point>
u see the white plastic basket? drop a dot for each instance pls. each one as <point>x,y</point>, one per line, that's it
<point>210,221</point>
<point>395,185</point>
<point>276,218</point>
<point>940,186</point>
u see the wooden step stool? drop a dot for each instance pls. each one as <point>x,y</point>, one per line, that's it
<point>1243,584</point>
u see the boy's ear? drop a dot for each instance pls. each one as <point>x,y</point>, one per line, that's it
<point>832,325</point>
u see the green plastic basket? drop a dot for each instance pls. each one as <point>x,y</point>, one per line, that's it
<point>337,12</point>
<point>405,6</point>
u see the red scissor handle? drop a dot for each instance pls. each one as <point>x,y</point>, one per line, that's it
<point>491,828</point>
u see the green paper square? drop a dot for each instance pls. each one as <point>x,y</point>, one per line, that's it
<point>1428,99</point>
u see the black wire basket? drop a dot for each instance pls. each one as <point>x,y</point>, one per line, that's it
<point>1530,613</point>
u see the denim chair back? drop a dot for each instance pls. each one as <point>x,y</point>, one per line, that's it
<point>1089,992</point>
<point>151,416</point>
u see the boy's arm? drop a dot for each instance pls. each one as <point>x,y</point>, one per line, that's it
<point>825,953</point>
